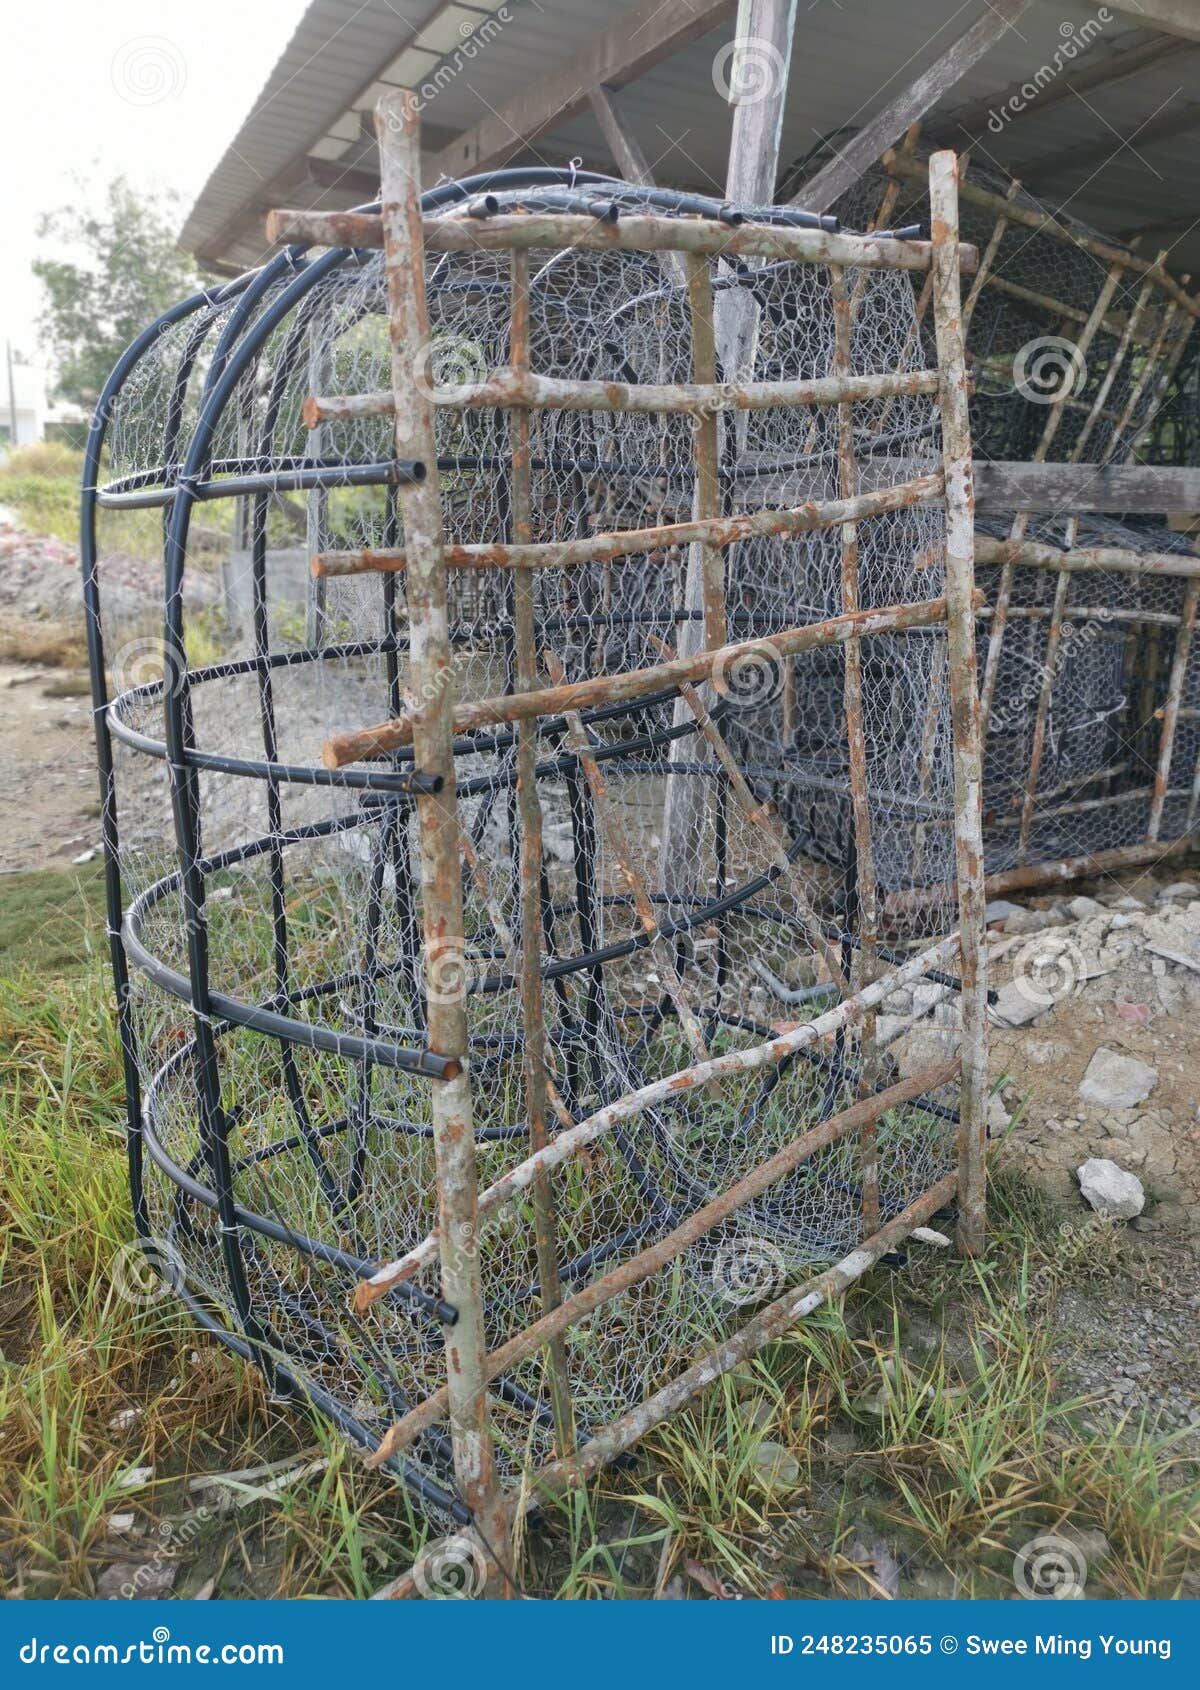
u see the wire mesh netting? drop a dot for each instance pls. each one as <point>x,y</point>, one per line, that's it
<point>716,873</point>
<point>1074,351</point>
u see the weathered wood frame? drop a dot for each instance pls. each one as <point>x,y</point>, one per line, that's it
<point>431,728</point>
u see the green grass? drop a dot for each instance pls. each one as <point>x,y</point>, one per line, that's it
<point>927,1412</point>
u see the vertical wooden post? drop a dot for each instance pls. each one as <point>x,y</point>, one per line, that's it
<point>533,1020</point>
<point>964,698</point>
<point>708,474</point>
<point>856,737</point>
<point>1166,744</point>
<point>431,679</point>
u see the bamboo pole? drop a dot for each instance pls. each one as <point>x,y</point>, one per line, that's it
<point>658,1256</point>
<point>398,129</point>
<point>632,233</point>
<point>669,1089</point>
<point>702,399</point>
<point>964,701</point>
<point>635,684</point>
<point>635,542</point>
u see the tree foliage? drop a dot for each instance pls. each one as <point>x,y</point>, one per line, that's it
<point>124,269</point>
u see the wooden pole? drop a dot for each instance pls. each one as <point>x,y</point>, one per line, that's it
<point>398,128</point>
<point>964,700</point>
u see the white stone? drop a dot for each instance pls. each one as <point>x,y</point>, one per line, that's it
<point>1016,1008</point>
<point>1116,1082</point>
<point>1178,889</point>
<point>1001,910</point>
<point>1111,1190</point>
<point>1081,908</point>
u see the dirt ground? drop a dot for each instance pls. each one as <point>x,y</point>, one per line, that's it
<point>49,805</point>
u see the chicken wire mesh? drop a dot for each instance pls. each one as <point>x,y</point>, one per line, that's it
<point>715,872</point>
<point>1074,344</point>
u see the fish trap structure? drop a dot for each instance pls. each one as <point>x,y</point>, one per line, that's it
<point>1089,670</point>
<point>501,1069</point>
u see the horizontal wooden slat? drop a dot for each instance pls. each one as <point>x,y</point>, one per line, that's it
<point>1146,489</point>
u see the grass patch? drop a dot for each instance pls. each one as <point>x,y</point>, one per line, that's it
<point>924,1415</point>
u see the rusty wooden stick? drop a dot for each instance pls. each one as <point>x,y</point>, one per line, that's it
<point>533,1018</point>
<point>1034,555</point>
<point>636,683</point>
<point>773,1322</point>
<point>765,824</point>
<point>987,259</point>
<point>822,1027</point>
<point>638,542</point>
<point>633,233</point>
<point>964,701</point>
<point>705,399</point>
<point>1043,222</point>
<point>1166,747</point>
<point>651,1260</point>
<point>856,741</point>
<point>622,855</point>
<point>1037,749</point>
<point>398,128</point>
<point>707,448</point>
<point>1050,428</point>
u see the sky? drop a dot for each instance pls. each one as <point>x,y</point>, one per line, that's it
<point>152,89</point>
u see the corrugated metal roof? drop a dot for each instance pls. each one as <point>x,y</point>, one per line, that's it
<point>850,57</point>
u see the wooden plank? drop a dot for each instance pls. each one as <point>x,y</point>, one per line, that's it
<point>863,148</point>
<point>1145,489</point>
<point>632,46</point>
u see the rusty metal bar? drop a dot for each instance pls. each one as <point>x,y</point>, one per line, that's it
<point>398,128</point>
<point>507,387</point>
<point>632,233</point>
<point>669,1089</point>
<point>964,701</point>
<point>653,1259</point>
<point>1183,646</point>
<point>533,1019</point>
<point>634,684</point>
<point>631,542</point>
<point>1034,554</point>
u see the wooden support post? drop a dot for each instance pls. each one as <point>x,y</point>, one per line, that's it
<point>398,128</point>
<point>708,448</point>
<point>856,743</point>
<point>1170,716</point>
<point>964,701</point>
<point>533,1018</point>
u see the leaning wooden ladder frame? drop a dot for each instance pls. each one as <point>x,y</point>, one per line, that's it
<point>558,1145</point>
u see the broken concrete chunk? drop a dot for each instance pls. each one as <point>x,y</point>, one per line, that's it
<point>1111,1190</point>
<point>1017,1008</point>
<point>1114,1081</point>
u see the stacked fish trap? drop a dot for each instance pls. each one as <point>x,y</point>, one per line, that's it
<point>502,1068</point>
<point>1088,667</point>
